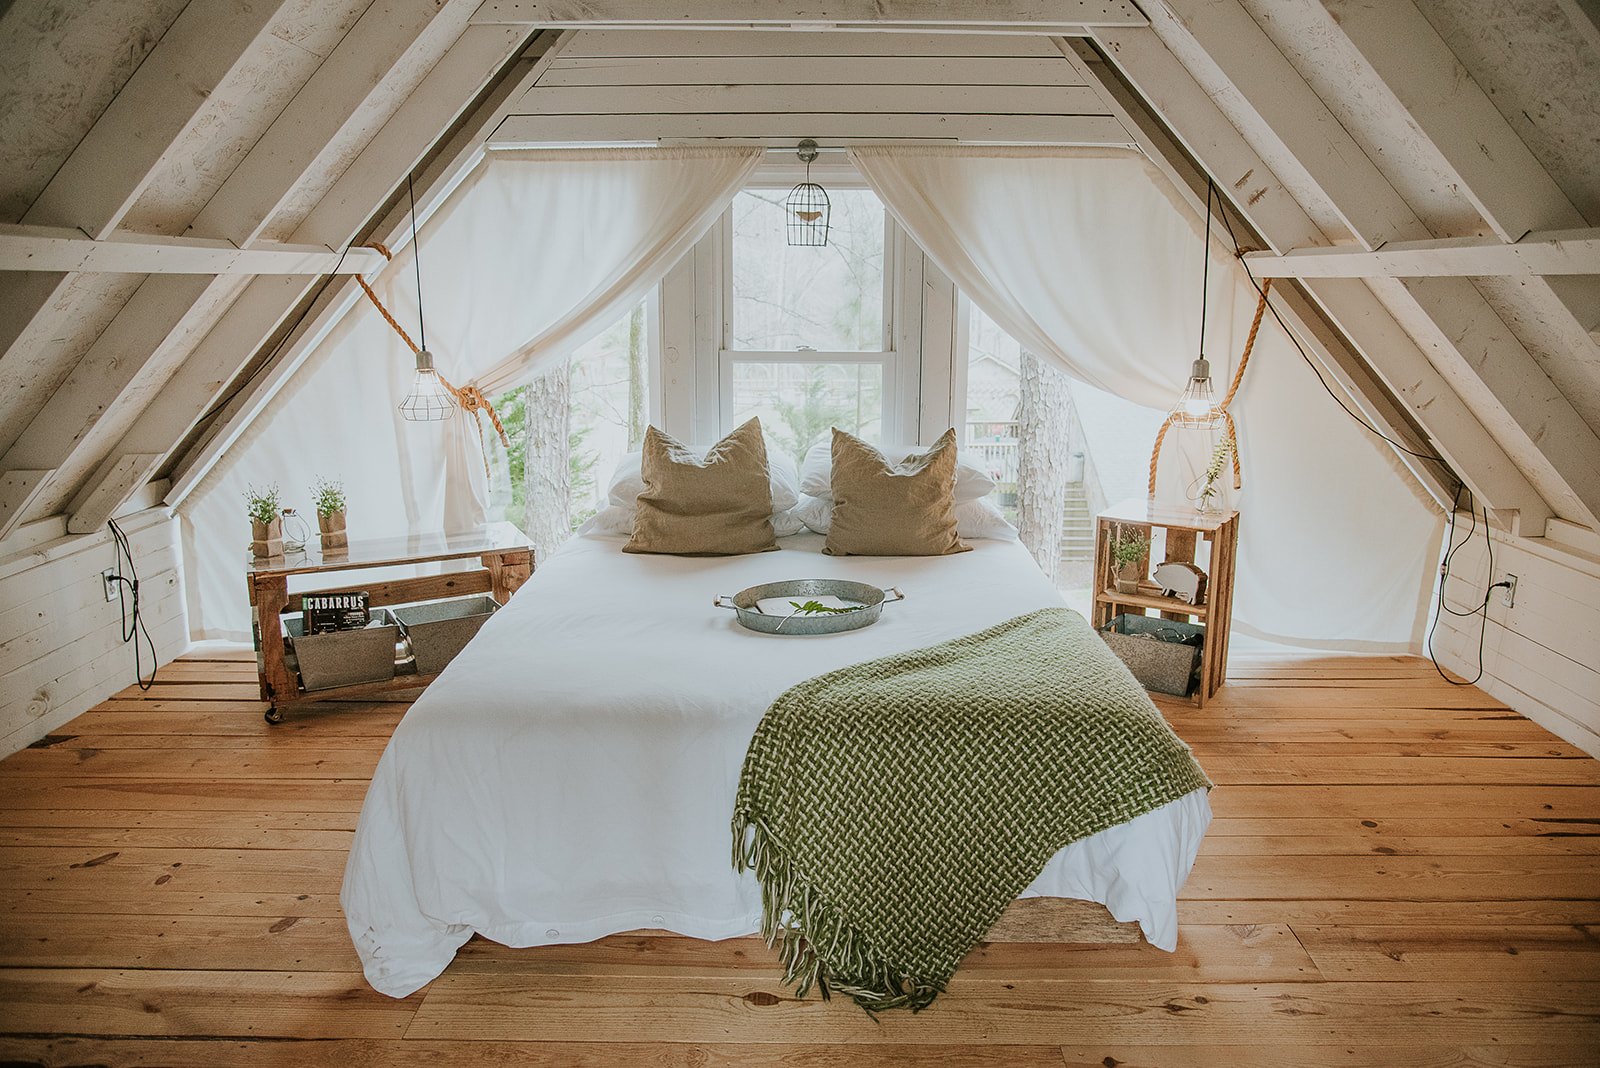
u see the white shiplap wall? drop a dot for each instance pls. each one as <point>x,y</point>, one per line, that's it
<point>1541,655</point>
<point>779,87</point>
<point>61,647</point>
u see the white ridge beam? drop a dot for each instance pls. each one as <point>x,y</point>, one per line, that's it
<point>49,248</point>
<point>110,168</point>
<point>1560,252</point>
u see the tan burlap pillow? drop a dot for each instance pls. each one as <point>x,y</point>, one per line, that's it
<point>718,506</point>
<point>884,509</point>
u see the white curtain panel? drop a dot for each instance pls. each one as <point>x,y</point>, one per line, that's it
<point>534,254</point>
<point>1089,257</point>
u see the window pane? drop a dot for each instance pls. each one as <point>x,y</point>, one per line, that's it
<point>828,297</point>
<point>799,402</point>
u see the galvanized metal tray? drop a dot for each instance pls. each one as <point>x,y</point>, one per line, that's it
<point>871,600</point>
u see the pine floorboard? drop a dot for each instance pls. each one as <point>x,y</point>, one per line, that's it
<point>1400,872</point>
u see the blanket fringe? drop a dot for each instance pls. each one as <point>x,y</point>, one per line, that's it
<point>816,945</point>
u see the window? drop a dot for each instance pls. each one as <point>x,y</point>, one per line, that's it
<point>806,330</point>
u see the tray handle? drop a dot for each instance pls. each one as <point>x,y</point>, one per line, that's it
<point>717,600</point>
<point>898,596</point>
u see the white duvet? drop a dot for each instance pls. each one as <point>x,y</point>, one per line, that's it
<point>572,772</point>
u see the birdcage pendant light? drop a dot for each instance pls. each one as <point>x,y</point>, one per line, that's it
<point>807,208</point>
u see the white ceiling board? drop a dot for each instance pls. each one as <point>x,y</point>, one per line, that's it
<point>107,170</point>
<point>238,112</point>
<point>817,13</point>
<point>332,98</point>
<point>1487,161</point>
<point>1369,114</point>
<point>63,315</point>
<point>1556,341</point>
<point>732,44</point>
<point>64,62</point>
<point>1539,63</point>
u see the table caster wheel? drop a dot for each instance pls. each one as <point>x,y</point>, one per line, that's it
<point>274,714</point>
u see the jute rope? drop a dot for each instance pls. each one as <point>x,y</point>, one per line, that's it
<point>1238,377</point>
<point>470,398</point>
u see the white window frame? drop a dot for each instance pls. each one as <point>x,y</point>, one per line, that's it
<point>922,356</point>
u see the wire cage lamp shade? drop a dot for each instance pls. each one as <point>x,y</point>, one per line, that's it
<point>429,399</point>
<point>807,210</point>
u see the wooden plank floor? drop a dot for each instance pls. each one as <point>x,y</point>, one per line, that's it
<point>1401,872</point>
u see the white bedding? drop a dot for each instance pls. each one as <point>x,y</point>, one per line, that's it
<point>572,772</point>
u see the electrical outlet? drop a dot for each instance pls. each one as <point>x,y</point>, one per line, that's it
<point>1508,592</point>
<point>109,579</point>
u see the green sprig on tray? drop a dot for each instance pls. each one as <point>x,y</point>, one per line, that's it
<point>812,608</point>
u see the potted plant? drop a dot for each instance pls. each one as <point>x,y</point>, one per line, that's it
<point>328,496</point>
<point>1209,500</point>
<point>1126,552</point>
<point>266,521</point>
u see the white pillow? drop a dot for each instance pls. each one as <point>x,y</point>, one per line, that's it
<point>974,519</point>
<point>816,474</point>
<point>616,520</point>
<point>627,482</point>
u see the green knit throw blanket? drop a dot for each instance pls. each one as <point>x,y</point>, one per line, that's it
<point>891,810</point>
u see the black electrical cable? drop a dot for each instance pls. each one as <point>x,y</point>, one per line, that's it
<point>1482,610</point>
<point>132,621</point>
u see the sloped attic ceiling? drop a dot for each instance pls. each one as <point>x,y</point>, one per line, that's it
<point>178,181</point>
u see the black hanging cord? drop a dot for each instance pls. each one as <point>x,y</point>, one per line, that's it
<point>128,602</point>
<point>416,261</point>
<point>1205,269</point>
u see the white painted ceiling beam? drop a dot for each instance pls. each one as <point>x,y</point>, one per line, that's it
<point>330,99</point>
<point>113,164</point>
<point>102,377</point>
<point>48,248</point>
<point>1546,253</point>
<point>409,135</point>
<point>1553,444</point>
<point>1044,16</point>
<point>1207,135</point>
<point>1496,170</point>
<point>256,314</point>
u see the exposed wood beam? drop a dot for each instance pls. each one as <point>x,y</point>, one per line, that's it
<point>112,165</point>
<point>102,377</point>
<point>1495,169</point>
<point>1206,135</point>
<point>436,103</point>
<point>254,315</point>
<point>330,99</point>
<point>1549,252</point>
<point>47,248</point>
<point>1055,17</point>
<point>1585,18</point>
<point>407,138</point>
<point>18,490</point>
<point>1551,441</point>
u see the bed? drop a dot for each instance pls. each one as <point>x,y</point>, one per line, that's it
<point>572,772</point>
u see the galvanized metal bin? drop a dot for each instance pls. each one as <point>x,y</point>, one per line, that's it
<point>440,629</point>
<point>344,657</point>
<point>1163,654</point>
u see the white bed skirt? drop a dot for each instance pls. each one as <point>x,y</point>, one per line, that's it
<point>572,773</point>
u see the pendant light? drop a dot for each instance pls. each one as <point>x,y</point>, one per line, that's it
<point>807,207</point>
<point>429,399</point>
<point>1197,407</point>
